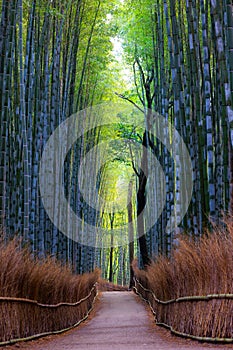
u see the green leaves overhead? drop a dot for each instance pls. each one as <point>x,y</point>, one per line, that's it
<point>136,29</point>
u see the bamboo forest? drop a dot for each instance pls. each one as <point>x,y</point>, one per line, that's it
<point>139,96</point>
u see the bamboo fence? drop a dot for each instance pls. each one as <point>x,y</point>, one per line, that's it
<point>205,318</point>
<point>24,319</point>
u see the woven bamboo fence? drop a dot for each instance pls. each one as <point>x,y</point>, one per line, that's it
<point>204,318</point>
<point>23,319</point>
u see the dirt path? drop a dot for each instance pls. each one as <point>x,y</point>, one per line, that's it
<point>121,322</point>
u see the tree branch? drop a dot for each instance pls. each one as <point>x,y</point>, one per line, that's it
<point>128,99</point>
<point>135,83</point>
<point>133,166</point>
<point>141,71</point>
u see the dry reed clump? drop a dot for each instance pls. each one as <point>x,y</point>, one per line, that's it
<point>45,281</point>
<point>106,286</point>
<point>196,268</point>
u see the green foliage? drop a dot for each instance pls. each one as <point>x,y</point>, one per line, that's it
<point>136,29</point>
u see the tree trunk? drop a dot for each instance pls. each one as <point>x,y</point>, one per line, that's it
<point>130,232</point>
<point>141,201</point>
<point>111,217</point>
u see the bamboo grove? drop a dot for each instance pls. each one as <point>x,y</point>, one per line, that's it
<point>181,54</point>
<point>56,60</point>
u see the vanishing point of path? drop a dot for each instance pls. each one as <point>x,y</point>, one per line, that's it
<point>121,322</point>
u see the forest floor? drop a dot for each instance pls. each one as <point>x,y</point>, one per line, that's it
<point>120,322</point>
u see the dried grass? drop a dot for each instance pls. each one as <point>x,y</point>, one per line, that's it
<point>195,269</point>
<point>45,281</point>
<point>106,286</point>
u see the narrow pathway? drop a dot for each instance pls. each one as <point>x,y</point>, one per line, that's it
<point>121,322</point>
